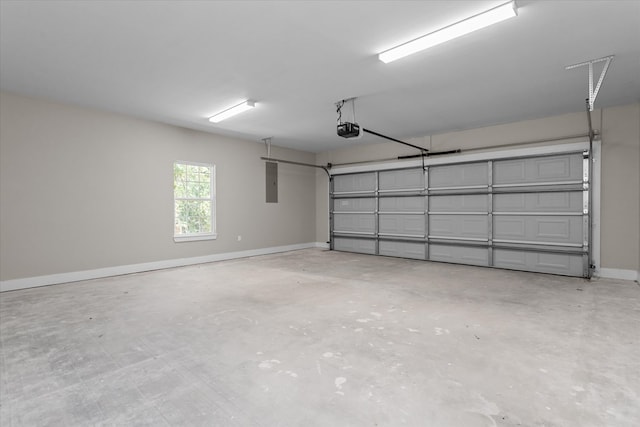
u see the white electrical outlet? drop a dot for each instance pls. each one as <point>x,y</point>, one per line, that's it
<point>239,238</point>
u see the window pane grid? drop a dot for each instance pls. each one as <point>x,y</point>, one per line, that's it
<point>194,199</point>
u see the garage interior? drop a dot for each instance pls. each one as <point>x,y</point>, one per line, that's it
<point>451,238</point>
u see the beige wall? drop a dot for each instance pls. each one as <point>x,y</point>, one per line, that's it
<point>620,190</point>
<point>82,189</point>
<point>620,207</point>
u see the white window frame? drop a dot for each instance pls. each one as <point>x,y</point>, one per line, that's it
<point>197,236</point>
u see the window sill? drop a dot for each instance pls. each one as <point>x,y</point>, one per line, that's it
<point>195,237</point>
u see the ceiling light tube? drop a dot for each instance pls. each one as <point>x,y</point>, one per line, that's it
<point>243,106</point>
<point>466,26</point>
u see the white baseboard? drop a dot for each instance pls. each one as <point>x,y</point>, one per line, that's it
<point>76,276</point>
<point>617,273</point>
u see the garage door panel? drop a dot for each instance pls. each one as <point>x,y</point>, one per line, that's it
<point>459,203</point>
<point>363,246</point>
<point>358,223</point>
<point>459,254</point>
<point>524,213</point>
<point>459,226</point>
<point>539,229</point>
<point>406,179</point>
<point>402,204</point>
<point>539,202</point>
<point>410,225</point>
<point>403,249</point>
<point>458,175</point>
<point>354,183</point>
<point>566,167</point>
<point>354,205</point>
<point>541,262</point>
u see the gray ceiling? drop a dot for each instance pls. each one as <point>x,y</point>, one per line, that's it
<point>181,62</point>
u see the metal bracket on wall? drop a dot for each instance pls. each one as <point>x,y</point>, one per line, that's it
<point>593,93</point>
<point>324,168</point>
<point>267,143</point>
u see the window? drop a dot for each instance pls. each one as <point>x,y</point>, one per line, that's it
<point>194,201</point>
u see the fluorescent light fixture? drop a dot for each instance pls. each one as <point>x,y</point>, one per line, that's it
<point>243,106</point>
<point>466,26</point>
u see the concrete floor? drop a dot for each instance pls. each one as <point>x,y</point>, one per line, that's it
<point>322,338</point>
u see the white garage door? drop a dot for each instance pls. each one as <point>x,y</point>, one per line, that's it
<point>526,213</point>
